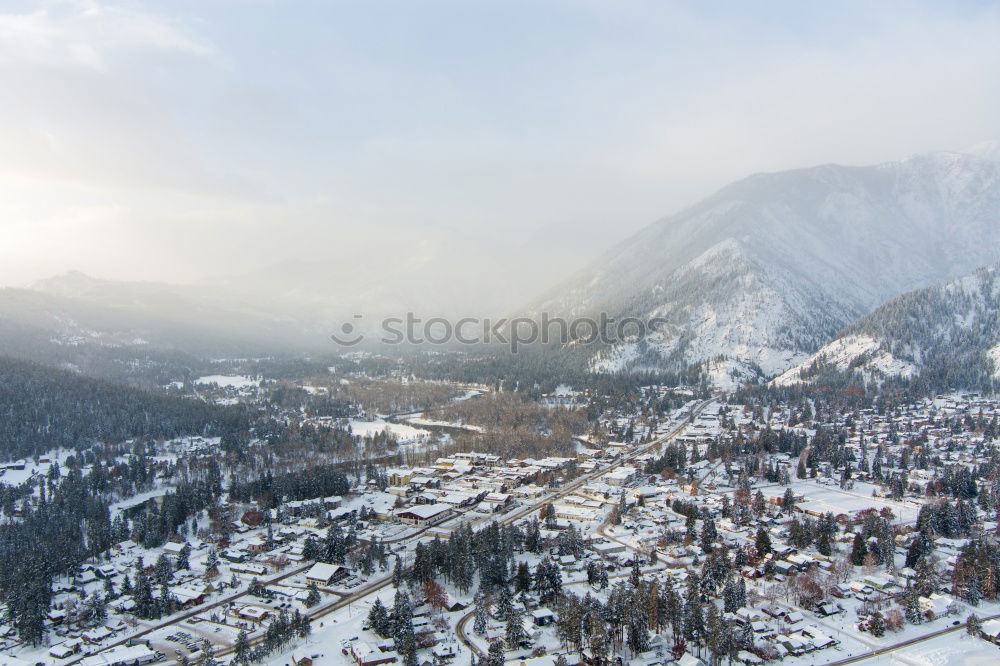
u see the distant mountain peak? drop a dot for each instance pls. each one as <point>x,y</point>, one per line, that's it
<point>71,284</point>
<point>985,149</point>
<point>767,270</point>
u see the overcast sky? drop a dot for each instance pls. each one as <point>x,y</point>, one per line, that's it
<point>180,140</point>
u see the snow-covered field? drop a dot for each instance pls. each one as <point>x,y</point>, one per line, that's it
<point>421,421</point>
<point>954,649</point>
<point>824,498</point>
<point>405,434</point>
<point>228,381</point>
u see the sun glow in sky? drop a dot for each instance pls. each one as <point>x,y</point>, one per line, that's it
<point>189,140</point>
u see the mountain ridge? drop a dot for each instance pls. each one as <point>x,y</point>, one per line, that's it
<point>800,253</point>
<point>949,331</point>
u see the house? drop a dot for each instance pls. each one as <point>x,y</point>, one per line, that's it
<point>443,652</point>
<point>773,611</point>
<point>801,561</point>
<point>842,591</point>
<point>619,476</point>
<point>173,548</point>
<point>427,514</point>
<point>123,655</point>
<point>189,595</point>
<point>65,649</point>
<point>688,659</point>
<point>256,545</point>
<point>542,617</point>
<point>252,613</point>
<point>991,631</point>
<point>86,577</point>
<point>819,639</point>
<point>96,635</point>
<point>606,548</point>
<point>566,511</point>
<point>748,658</point>
<point>365,655</point>
<point>747,615</point>
<point>783,567</point>
<point>827,608</point>
<point>107,571</point>
<point>252,518</point>
<point>936,604</point>
<point>248,568</point>
<point>326,574</point>
<point>233,555</point>
<point>454,605</point>
<point>794,617</point>
<point>879,582</point>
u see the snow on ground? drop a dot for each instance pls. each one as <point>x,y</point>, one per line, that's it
<point>421,421</point>
<point>844,352</point>
<point>994,355</point>
<point>471,393</point>
<point>228,381</point>
<point>116,507</point>
<point>14,477</point>
<point>616,358</point>
<point>404,434</point>
<point>823,498</point>
<point>954,649</point>
<point>729,374</point>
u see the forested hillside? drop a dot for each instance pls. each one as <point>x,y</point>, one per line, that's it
<point>941,337</point>
<point>43,408</point>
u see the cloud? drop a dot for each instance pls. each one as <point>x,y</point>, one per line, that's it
<point>86,33</point>
<point>177,142</point>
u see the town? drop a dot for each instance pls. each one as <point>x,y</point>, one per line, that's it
<point>684,529</point>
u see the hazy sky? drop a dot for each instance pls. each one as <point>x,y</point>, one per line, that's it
<point>179,140</point>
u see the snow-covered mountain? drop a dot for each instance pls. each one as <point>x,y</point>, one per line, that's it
<point>949,334</point>
<point>759,276</point>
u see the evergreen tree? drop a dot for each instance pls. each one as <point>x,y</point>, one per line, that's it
<point>145,605</point>
<point>788,501</point>
<point>378,619</point>
<point>397,573</point>
<point>709,534</point>
<point>762,541</point>
<point>183,558</point>
<point>735,594</point>
<point>859,550</point>
<point>313,596</point>
<point>911,607</point>
<point>522,580</point>
<point>495,657</point>
<point>241,649</point>
<point>480,622</point>
<point>402,618</point>
<point>693,617</point>
<point>515,633</point>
